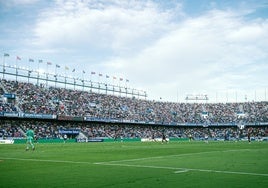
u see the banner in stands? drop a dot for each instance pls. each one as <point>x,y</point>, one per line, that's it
<point>153,140</point>
<point>70,118</point>
<point>95,140</point>
<point>101,119</point>
<point>69,131</point>
<point>90,140</point>
<point>39,116</point>
<point>11,114</point>
<point>9,95</point>
<point>3,141</point>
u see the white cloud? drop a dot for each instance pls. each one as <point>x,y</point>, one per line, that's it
<point>116,27</point>
<point>157,51</point>
<point>247,34</point>
<point>199,55</point>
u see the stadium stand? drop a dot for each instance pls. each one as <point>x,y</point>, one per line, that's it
<point>93,114</point>
<point>51,130</point>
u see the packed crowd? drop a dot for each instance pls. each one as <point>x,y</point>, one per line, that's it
<point>52,130</point>
<point>6,106</point>
<point>9,130</point>
<point>61,101</point>
<point>42,129</point>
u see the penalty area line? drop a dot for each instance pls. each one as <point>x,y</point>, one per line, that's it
<point>177,170</point>
<point>177,155</point>
<point>228,172</point>
<point>183,170</point>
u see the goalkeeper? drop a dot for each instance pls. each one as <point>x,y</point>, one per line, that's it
<point>29,137</point>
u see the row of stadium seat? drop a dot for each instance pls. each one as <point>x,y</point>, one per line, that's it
<point>51,130</point>
<point>36,99</point>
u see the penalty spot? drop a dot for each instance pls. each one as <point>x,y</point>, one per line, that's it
<point>181,171</point>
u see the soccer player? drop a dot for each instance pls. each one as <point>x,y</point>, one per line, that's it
<point>249,133</point>
<point>153,139</point>
<point>65,138</point>
<point>164,138</point>
<point>206,138</point>
<point>190,137</point>
<point>29,139</point>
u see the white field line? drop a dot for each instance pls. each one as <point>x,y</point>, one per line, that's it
<point>183,170</point>
<point>177,170</point>
<point>178,155</point>
<point>117,163</point>
<point>44,160</point>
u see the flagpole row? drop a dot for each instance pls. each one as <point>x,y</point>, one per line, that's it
<point>101,80</point>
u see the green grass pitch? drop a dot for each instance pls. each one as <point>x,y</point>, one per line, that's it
<point>135,164</point>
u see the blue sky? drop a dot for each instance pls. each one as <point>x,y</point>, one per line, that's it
<point>167,48</point>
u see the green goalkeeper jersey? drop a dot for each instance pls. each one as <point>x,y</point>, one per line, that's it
<point>30,134</point>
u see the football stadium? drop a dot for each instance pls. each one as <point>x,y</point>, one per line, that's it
<point>133,94</point>
<point>88,137</point>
